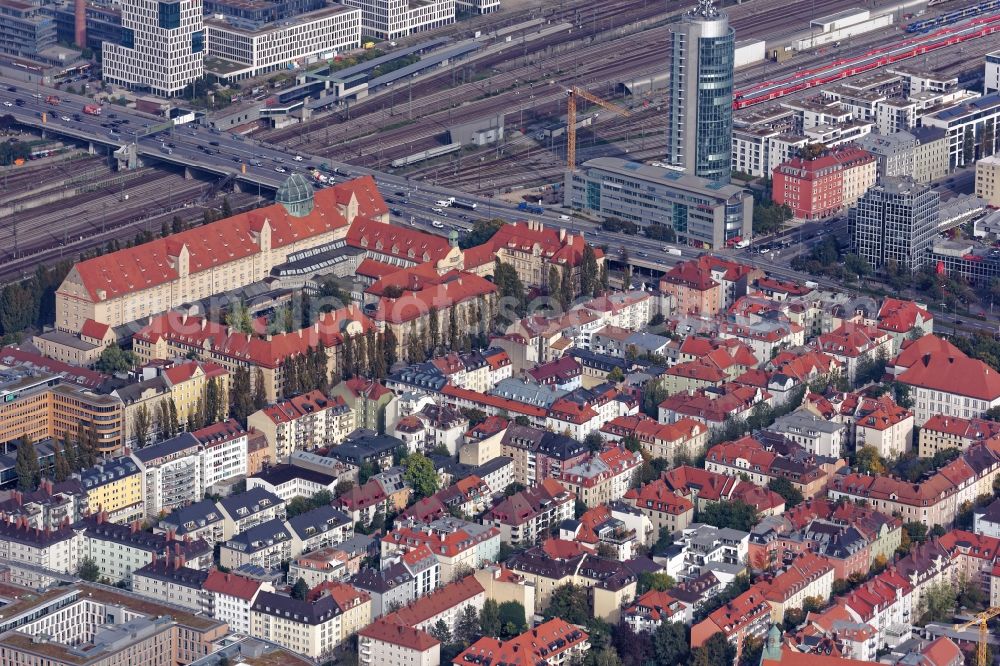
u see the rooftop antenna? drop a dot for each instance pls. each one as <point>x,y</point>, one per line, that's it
<point>705,9</point>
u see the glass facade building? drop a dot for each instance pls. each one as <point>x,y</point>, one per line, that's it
<point>700,104</point>
<point>896,220</point>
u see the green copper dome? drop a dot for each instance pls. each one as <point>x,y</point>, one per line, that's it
<point>296,195</point>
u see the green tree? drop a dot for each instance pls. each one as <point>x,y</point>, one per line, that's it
<point>512,619</point>
<point>589,279</point>
<point>481,231</point>
<point>653,393</point>
<point>938,602</point>
<point>467,629</point>
<point>141,425</point>
<point>594,441</point>
<point>671,644</point>
<point>114,360</point>
<point>569,602</point>
<point>791,494</point>
<point>868,460</point>
<point>489,619</point>
<point>968,146</point>
<point>736,514</point>
<point>300,590</point>
<point>441,631</point>
<point>616,376</point>
<point>716,650</point>
<point>213,402</point>
<point>26,464</point>
<point>88,570</point>
<point>434,327</point>
<point>553,282</point>
<point>238,318</point>
<point>259,394</point>
<point>566,290</point>
<point>60,467</point>
<point>654,581</point>
<point>241,395</point>
<point>420,473</point>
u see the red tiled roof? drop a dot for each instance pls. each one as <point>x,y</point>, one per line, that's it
<point>532,648</point>
<point>437,602</point>
<point>266,351</point>
<point>656,496</point>
<point>154,263</point>
<point>914,350</point>
<point>900,316</point>
<point>709,486</point>
<point>402,242</point>
<point>232,584</point>
<point>492,401</point>
<point>958,375</point>
<point>93,329</point>
<point>388,631</point>
<point>970,429</point>
<point>369,388</point>
<point>440,292</point>
<point>850,339</point>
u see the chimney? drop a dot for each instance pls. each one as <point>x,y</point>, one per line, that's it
<point>100,517</point>
<point>80,23</point>
<point>135,527</point>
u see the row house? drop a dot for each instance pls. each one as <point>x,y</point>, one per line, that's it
<point>685,438</point>
<point>935,500</point>
<point>942,433</point>
<point>169,580</point>
<point>54,548</point>
<point>713,406</point>
<point>807,575</point>
<point>445,604</point>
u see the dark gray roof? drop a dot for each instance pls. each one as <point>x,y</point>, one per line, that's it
<point>254,499</point>
<point>167,570</point>
<point>321,519</point>
<point>168,447</point>
<point>381,581</point>
<point>260,536</point>
<point>361,448</point>
<point>192,517</point>
<point>315,612</point>
<point>280,474</point>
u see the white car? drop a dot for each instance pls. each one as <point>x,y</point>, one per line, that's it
<point>66,119</point>
<point>436,224</point>
<point>7,104</point>
<point>437,210</point>
<point>298,158</point>
<point>280,169</point>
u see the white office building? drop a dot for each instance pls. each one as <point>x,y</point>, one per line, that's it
<point>297,41</point>
<point>162,49</point>
<point>392,19</point>
<point>969,126</point>
<point>477,6</point>
<point>991,81</point>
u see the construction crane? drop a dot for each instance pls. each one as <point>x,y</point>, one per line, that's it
<point>571,96</point>
<point>982,619</point>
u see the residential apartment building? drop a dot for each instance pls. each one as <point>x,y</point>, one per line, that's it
<point>457,544</point>
<point>115,488</point>
<point>808,575</point>
<point>748,615</point>
<point>605,478</point>
<point>684,438</point>
<point>987,177</point>
<point>52,548</point>
<point>816,435</point>
<point>611,583</point>
<point>968,126</point>
<point>169,580</point>
<point>244,510</point>
<point>303,423</point>
<point>765,461</point>
<point>387,642</point>
<point>817,188</point>
<point>369,399</point>
<point>664,508</point>
<point>526,517</point>
<point>555,643</point>
<point>309,628</point>
<point>942,433</point>
<point>265,545</point>
<point>171,472</point>
<point>951,385</point>
<point>232,598</point>
<point>700,212</point>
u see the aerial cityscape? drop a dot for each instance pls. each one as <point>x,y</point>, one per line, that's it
<point>499,332</point>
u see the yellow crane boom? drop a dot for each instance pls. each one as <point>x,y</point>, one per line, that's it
<point>571,96</point>
<point>982,619</point>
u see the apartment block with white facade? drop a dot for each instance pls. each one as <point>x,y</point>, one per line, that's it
<point>162,46</point>
<point>167,579</point>
<point>233,596</point>
<point>392,19</point>
<point>323,33</point>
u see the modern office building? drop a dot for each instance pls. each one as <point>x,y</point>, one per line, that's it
<point>102,23</point>
<point>25,29</point>
<point>293,41</point>
<point>991,78</point>
<point>257,14</point>
<point>162,48</point>
<point>703,213</point>
<point>477,6</point>
<point>896,220</point>
<point>392,19</point>
<point>700,99</point>
<point>969,126</point>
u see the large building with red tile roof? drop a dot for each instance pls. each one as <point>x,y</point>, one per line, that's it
<point>532,250</point>
<point>138,282</point>
<point>951,384</point>
<point>174,334</point>
<point>934,500</point>
<point>458,545</point>
<point>942,433</point>
<point>807,575</point>
<point>904,319</point>
<point>713,405</point>
<point>852,344</point>
<point>303,423</point>
<point>604,478</point>
<point>552,642</point>
<point>685,437</point>
<point>763,462</point>
<point>663,507</point>
<point>444,604</point>
<point>386,642</point>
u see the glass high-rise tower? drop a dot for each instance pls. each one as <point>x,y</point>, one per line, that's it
<point>700,105</point>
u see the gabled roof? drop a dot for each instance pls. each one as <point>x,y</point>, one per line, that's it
<point>233,585</point>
